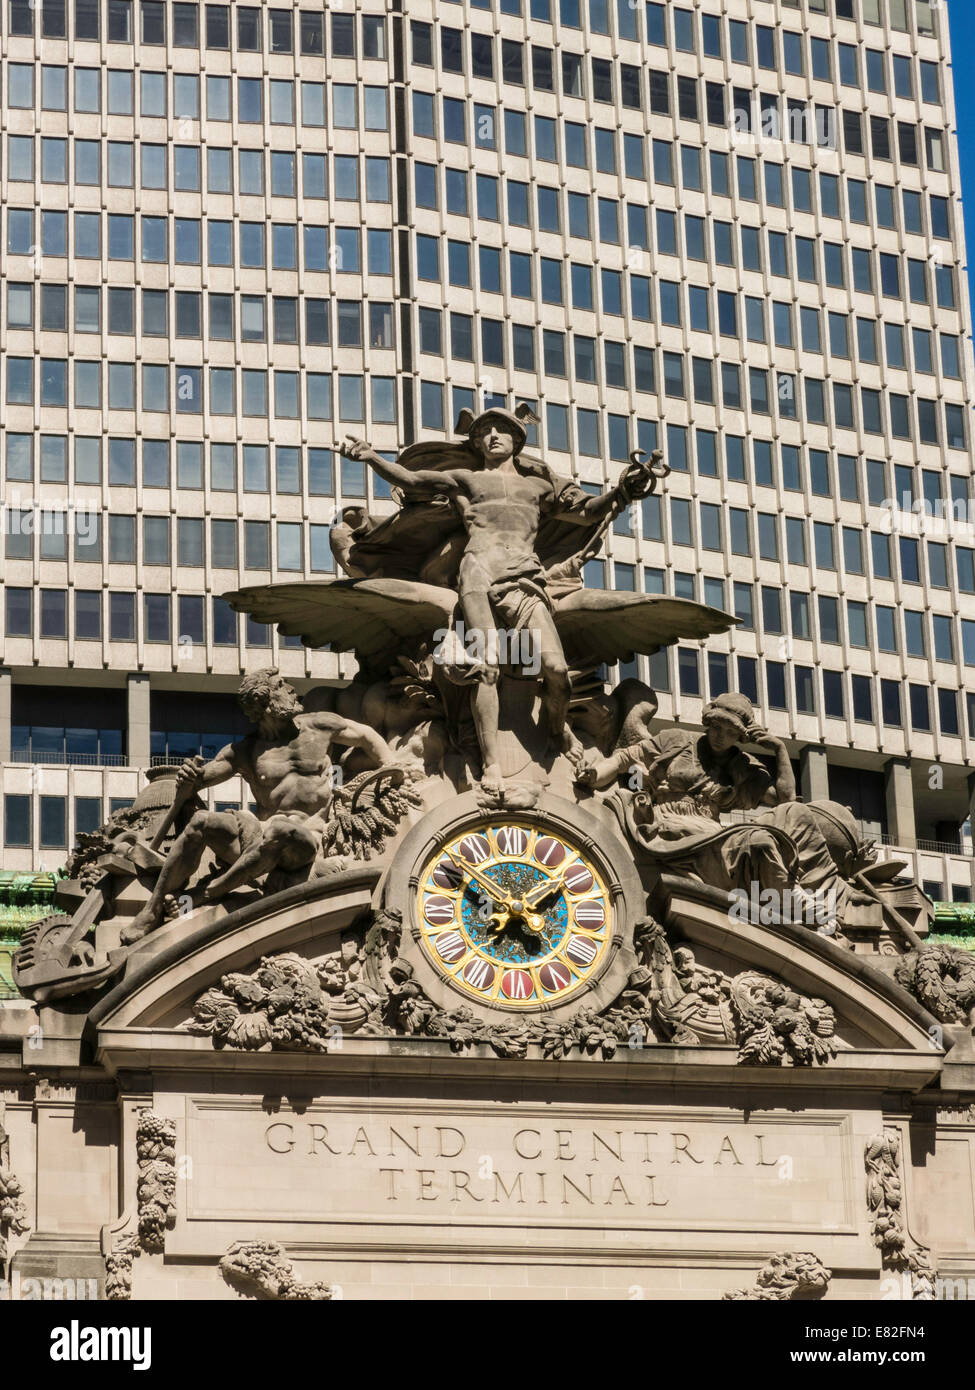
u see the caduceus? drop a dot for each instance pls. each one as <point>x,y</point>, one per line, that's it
<point>639,479</point>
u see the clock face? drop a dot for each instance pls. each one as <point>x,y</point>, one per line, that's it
<point>513,915</point>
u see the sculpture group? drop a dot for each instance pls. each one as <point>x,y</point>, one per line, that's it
<point>484,846</point>
<point>481,667</point>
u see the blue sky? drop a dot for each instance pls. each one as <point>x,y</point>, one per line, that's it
<point>961,16</point>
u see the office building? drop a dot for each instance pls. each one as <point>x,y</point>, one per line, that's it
<point>235,234</point>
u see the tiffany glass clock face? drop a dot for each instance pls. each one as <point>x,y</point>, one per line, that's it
<point>514,915</point>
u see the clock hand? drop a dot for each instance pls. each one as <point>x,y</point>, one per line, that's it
<point>537,895</point>
<point>504,903</point>
<point>532,922</point>
<point>497,894</point>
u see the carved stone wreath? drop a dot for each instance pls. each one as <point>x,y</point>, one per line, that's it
<point>942,978</point>
<point>288,1003</point>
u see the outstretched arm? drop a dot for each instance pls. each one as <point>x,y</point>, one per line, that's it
<point>638,479</point>
<point>353,735</point>
<point>395,473</point>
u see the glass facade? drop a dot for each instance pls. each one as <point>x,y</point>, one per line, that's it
<point>235,234</point>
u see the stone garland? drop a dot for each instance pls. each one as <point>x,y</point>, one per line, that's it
<point>796,1276</point>
<point>118,1269</point>
<point>13,1212</point>
<point>156,1185</point>
<point>155,1141</point>
<point>885,1202</point>
<point>260,1269</point>
<point>286,1003</point>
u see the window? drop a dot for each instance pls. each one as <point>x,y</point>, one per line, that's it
<point>890,703</point>
<point>289,545</point>
<point>920,707</point>
<point>823,545</point>
<point>224,625</point>
<point>805,696</point>
<point>279,31</point>
<point>120,21</point>
<point>947,712</point>
<point>862,699</point>
<point>54,613</point>
<point>688,670</point>
<point>910,560</point>
<point>739,531</point>
<point>768,539</point>
<point>189,464</point>
<point>17,821</point>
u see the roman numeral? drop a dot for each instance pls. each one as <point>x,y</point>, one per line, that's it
<point>581,950</point>
<point>511,840</point>
<point>474,848</point>
<point>451,946</point>
<point>478,973</point>
<point>578,879</point>
<point>438,909</point>
<point>517,984</point>
<point>555,976</point>
<point>590,913</point>
<point>448,875</point>
<point>549,851</point>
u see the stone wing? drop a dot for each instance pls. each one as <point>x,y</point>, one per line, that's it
<point>597,625</point>
<point>375,619</point>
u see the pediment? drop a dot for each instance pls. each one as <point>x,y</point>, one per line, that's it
<point>872,1010</point>
<point>181,961</point>
<point>317,934</point>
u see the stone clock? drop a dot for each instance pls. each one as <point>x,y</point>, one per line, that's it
<point>516,912</point>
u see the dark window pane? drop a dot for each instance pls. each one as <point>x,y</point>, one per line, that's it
<point>16,821</point>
